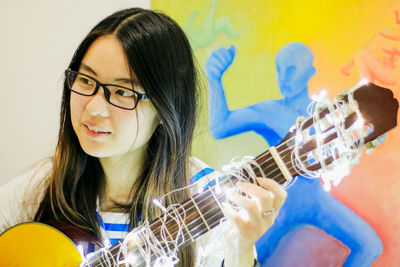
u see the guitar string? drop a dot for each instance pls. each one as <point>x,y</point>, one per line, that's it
<point>191,207</point>
<point>212,215</point>
<point>212,224</point>
<point>117,247</point>
<point>263,163</point>
<point>218,214</point>
<point>293,167</point>
<point>214,220</point>
<point>195,220</point>
<point>205,230</point>
<point>158,220</point>
<point>266,154</point>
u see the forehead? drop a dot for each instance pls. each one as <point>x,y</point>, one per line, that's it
<point>294,54</point>
<point>106,57</point>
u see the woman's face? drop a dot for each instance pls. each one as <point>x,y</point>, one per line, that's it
<point>105,130</point>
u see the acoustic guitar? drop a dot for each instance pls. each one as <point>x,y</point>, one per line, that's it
<point>36,244</point>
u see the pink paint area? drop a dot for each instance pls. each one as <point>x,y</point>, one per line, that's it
<point>306,246</point>
<point>372,190</point>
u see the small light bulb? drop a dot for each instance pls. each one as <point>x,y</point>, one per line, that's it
<point>359,123</point>
<point>363,81</point>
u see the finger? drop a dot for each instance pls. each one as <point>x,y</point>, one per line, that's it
<point>213,71</point>
<point>223,52</point>
<point>245,203</point>
<point>263,197</point>
<point>217,61</point>
<point>278,191</point>
<point>232,51</point>
<point>224,57</point>
<point>212,61</point>
<point>240,222</point>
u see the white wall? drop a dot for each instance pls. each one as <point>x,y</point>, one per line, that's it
<point>37,40</point>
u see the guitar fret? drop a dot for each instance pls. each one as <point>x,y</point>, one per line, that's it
<point>203,204</point>
<point>167,230</point>
<point>230,180</point>
<point>214,218</point>
<point>183,223</point>
<point>216,198</point>
<point>201,214</point>
<point>104,259</point>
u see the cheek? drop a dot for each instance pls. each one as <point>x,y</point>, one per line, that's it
<point>299,80</point>
<point>151,119</point>
<point>125,126</point>
<point>139,126</point>
<point>76,105</point>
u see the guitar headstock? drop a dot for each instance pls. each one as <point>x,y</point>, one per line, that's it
<point>378,108</point>
<point>330,142</point>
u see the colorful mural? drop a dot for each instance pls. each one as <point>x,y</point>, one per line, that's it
<point>356,221</point>
<point>307,203</point>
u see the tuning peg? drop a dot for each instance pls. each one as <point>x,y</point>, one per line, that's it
<point>374,143</point>
<point>342,95</point>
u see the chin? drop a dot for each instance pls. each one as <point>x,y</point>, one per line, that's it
<point>292,93</point>
<point>95,152</point>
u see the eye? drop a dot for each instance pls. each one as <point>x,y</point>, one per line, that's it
<point>124,92</point>
<point>84,80</point>
<point>290,71</point>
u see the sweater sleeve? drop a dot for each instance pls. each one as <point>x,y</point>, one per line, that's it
<point>20,198</point>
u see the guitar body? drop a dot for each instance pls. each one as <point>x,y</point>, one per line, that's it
<point>37,245</point>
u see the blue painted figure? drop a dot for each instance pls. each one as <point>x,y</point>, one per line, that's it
<point>307,203</point>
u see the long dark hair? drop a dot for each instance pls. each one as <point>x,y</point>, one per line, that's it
<point>160,55</point>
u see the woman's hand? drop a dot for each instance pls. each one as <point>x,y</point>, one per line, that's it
<point>256,213</point>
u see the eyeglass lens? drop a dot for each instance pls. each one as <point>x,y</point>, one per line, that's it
<point>86,85</point>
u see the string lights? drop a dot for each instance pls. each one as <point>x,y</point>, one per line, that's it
<point>336,157</point>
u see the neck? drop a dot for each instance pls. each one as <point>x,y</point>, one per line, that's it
<point>300,101</point>
<point>120,174</point>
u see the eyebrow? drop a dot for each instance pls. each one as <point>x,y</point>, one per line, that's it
<point>89,69</point>
<point>123,80</point>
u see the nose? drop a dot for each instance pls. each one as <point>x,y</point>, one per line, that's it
<point>281,75</point>
<point>97,105</point>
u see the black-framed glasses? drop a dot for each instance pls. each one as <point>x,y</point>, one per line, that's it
<point>116,95</point>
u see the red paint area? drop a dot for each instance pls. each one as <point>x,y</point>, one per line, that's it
<point>306,246</point>
<point>373,192</point>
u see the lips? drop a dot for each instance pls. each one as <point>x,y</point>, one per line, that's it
<point>95,131</point>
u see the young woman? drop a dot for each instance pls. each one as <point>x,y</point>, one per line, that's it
<point>127,118</point>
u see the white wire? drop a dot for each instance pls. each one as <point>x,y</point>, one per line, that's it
<point>348,143</point>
